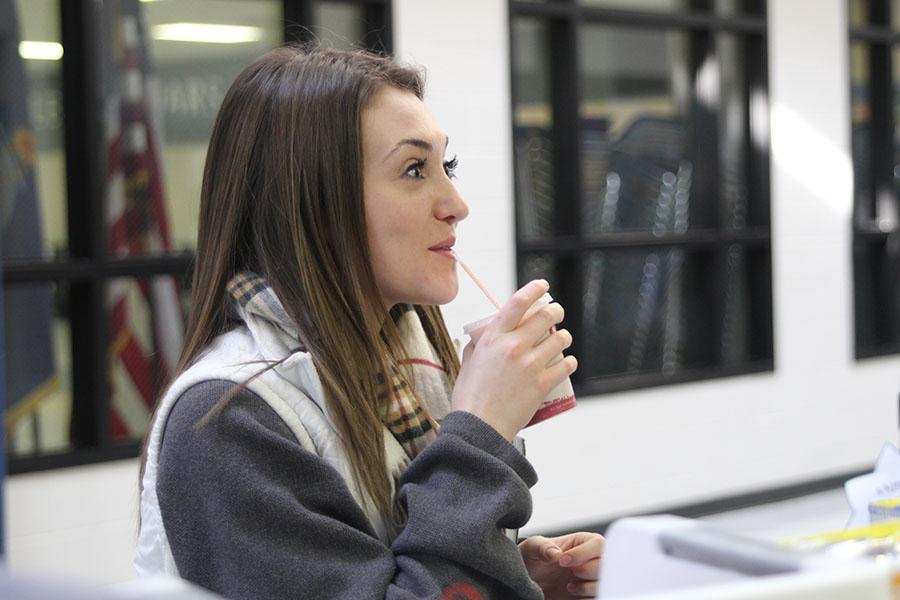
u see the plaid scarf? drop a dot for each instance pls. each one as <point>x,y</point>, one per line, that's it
<point>413,425</point>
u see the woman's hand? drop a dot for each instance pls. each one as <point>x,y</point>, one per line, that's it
<point>564,567</point>
<point>505,375</point>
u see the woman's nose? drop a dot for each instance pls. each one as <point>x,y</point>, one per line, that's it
<point>452,208</point>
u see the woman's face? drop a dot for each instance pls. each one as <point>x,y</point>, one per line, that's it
<point>411,204</point>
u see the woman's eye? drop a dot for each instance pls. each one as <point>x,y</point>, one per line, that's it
<point>415,170</point>
<point>450,167</point>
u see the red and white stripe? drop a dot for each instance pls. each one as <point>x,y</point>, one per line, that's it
<point>146,321</point>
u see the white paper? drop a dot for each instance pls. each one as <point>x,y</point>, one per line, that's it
<point>883,482</point>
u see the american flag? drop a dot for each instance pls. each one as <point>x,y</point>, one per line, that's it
<point>145,315</point>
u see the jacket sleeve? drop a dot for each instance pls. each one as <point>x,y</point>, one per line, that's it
<point>249,513</point>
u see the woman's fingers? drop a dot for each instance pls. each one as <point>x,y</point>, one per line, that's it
<point>550,349</point>
<point>512,312</point>
<point>582,589</point>
<point>556,372</point>
<point>537,324</point>
<point>589,571</point>
<point>581,547</point>
<point>539,548</point>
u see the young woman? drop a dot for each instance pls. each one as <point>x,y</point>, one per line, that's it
<point>322,440</point>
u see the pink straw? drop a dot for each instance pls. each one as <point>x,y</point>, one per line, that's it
<point>477,281</point>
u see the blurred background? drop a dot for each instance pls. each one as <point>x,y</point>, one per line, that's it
<point>710,186</point>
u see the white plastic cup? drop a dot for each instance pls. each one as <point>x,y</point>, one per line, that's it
<point>562,397</point>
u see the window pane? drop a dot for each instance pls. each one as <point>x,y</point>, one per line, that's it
<point>163,81</point>
<point>735,342</point>
<point>146,327</point>
<point>877,294</point>
<point>39,372</point>
<point>648,311</point>
<point>733,143</point>
<point>637,172</point>
<point>738,7</point>
<point>859,13</point>
<point>533,122</point>
<point>339,24</point>
<point>861,133</point>
<point>32,164</point>
<point>887,210</point>
<point>540,266</point>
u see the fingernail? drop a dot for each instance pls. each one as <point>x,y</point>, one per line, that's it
<point>565,560</point>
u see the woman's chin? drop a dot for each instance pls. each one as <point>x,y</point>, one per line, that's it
<point>439,294</point>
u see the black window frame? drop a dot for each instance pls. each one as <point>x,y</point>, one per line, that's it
<point>876,248</point>
<point>564,18</point>
<point>88,266</point>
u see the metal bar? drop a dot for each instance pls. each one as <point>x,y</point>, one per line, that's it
<point>298,17</point>
<point>872,234</point>
<point>753,236</point>
<point>876,35</point>
<point>83,148</point>
<point>517,191</point>
<point>620,383</point>
<point>73,458</point>
<point>874,350</point>
<point>882,144</point>
<point>379,35</point>
<point>635,18</point>
<point>756,84</point>
<point>82,269</point>
<point>566,135</point>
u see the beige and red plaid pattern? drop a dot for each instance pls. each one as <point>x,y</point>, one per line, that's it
<point>404,414</point>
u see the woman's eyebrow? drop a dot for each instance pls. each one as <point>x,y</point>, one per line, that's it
<point>417,142</point>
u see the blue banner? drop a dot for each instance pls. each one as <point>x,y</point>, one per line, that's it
<point>27,310</point>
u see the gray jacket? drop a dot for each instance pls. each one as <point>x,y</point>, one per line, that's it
<point>259,503</point>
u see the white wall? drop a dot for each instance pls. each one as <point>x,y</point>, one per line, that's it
<point>464,48</point>
<point>79,524</point>
<point>819,413</point>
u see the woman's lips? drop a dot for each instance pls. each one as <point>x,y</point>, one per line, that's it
<point>448,252</point>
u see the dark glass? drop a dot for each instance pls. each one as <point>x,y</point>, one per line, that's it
<point>887,212</point>
<point>861,134</point>
<point>339,24</point>
<point>38,373</point>
<point>733,133</point>
<point>146,330</point>
<point>532,127</point>
<point>159,113</point>
<point>648,311</point>
<point>31,138</point>
<point>540,266</point>
<point>877,294</point>
<point>729,8</point>
<point>859,12</point>
<point>636,170</point>
<point>734,340</point>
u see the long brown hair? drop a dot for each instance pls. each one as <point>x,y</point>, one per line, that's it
<point>282,196</point>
